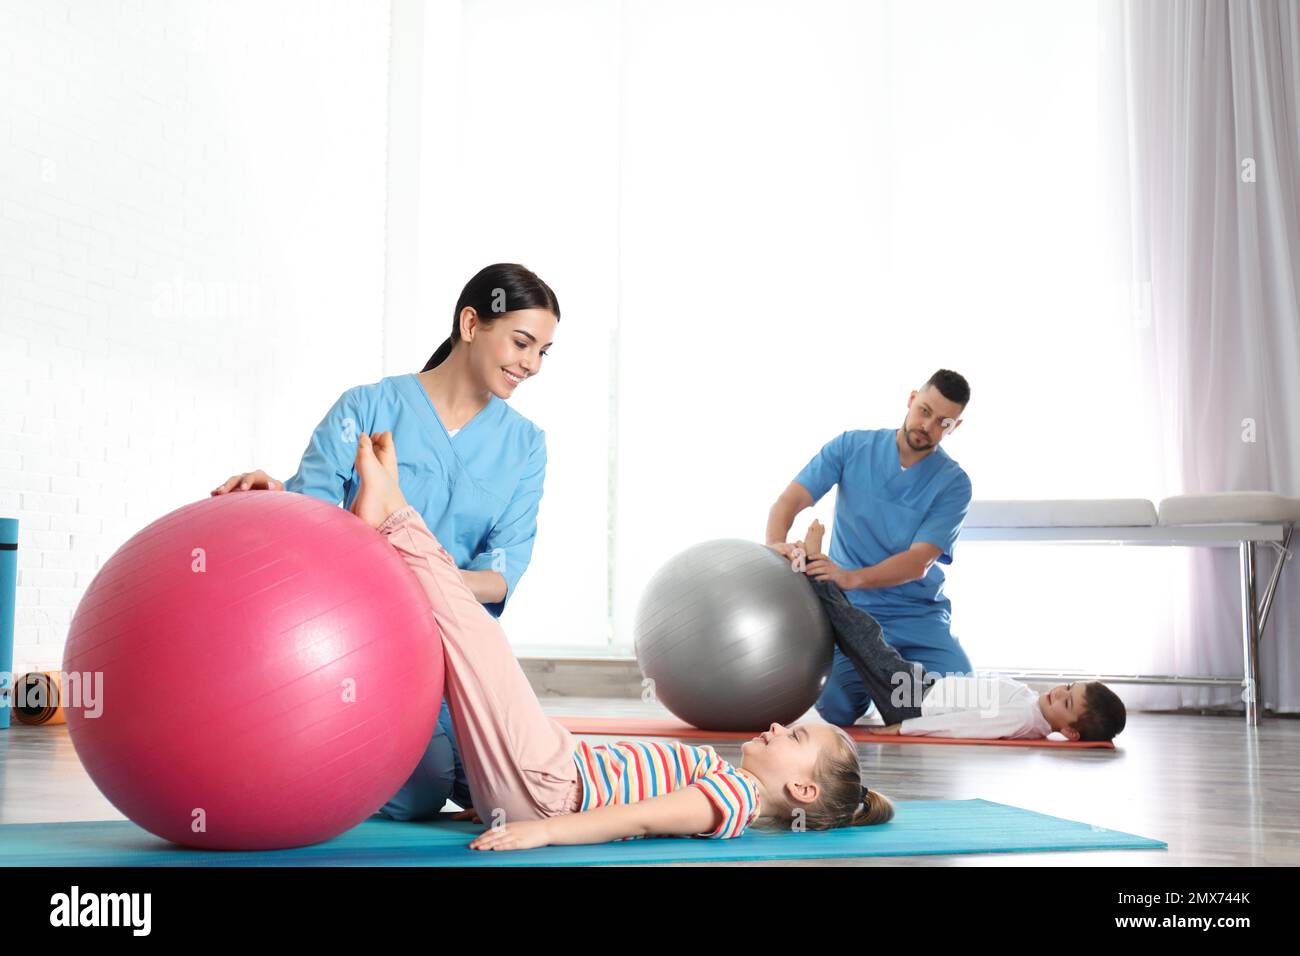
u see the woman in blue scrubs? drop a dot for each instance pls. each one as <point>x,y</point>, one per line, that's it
<point>899,510</point>
<point>469,463</point>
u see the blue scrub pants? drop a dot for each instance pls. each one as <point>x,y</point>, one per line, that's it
<point>925,639</point>
<point>438,776</point>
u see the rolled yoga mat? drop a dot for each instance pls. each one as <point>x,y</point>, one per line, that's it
<point>38,698</point>
<point>8,598</point>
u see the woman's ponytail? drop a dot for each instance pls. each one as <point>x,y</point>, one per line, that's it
<point>438,357</point>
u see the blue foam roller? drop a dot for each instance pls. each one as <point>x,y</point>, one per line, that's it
<point>8,598</point>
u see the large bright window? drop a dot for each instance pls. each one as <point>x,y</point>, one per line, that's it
<point>766,223</point>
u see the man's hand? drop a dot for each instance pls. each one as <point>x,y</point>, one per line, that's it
<point>796,553</point>
<point>822,568</point>
<point>471,815</point>
<point>799,562</point>
<point>783,548</point>
<point>523,835</point>
<point>893,730</point>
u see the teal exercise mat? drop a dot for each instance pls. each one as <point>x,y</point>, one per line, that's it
<point>920,828</point>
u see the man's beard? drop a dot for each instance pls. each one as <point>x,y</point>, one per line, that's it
<point>907,437</point>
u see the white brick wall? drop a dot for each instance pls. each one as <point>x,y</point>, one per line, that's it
<point>191,260</point>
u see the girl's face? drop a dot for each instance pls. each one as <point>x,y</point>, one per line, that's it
<point>511,349</point>
<point>788,755</point>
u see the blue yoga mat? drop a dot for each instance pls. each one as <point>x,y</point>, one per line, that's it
<point>920,828</point>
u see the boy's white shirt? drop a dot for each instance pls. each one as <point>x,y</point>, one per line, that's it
<point>978,707</point>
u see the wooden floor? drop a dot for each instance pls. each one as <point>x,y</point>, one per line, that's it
<point>1219,793</point>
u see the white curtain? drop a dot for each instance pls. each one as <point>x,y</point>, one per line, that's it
<point>1202,100</point>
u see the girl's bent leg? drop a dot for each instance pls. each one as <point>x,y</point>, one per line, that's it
<point>518,760</point>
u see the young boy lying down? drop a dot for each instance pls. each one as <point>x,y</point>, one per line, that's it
<point>913,701</point>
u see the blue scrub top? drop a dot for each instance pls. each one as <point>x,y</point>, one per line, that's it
<point>882,510</point>
<point>478,491</point>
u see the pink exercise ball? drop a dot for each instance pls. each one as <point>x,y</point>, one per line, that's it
<point>271,673</point>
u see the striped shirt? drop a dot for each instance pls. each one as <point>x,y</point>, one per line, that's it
<point>630,771</point>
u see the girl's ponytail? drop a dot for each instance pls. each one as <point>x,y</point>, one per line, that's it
<point>877,808</point>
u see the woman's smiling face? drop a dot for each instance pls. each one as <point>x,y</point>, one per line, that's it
<point>510,350</point>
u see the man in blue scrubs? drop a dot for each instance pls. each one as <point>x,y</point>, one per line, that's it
<point>899,509</point>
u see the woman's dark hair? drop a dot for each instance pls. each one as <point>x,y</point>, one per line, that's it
<point>499,288</point>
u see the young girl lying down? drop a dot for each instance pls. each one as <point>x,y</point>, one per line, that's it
<point>535,784</point>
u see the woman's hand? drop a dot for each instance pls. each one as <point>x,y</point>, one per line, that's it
<point>523,835</point>
<point>248,481</point>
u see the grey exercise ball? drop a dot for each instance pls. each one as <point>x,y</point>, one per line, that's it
<point>732,638</point>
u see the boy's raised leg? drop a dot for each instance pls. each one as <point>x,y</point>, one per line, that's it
<point>895,684</point>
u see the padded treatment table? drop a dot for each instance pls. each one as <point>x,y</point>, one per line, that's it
<point>1240,519</point>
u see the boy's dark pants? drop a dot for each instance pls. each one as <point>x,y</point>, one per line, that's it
<point>896,685</point>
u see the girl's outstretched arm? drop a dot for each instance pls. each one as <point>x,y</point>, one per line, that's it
<point>685,812</point>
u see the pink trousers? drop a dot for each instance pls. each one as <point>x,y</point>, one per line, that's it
<point>518,760</point>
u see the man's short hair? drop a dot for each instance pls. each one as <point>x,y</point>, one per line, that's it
<point>951,386</point>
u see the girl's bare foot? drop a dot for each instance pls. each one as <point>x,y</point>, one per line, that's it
<point>386,452</point>
<point>380,494</point>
